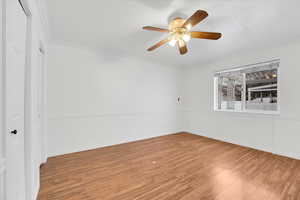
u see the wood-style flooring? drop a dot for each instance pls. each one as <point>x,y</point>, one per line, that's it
<point>179,166</point>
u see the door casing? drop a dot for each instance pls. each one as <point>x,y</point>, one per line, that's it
<point>28,95</point>
<point>27,92</point>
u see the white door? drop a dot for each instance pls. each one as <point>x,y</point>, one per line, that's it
<point>16,23</point>
<point>2,144</point>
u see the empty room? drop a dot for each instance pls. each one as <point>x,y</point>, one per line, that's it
<point>149,100</point>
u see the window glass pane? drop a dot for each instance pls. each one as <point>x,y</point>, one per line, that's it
<point>230,91</point>
<point>252,88</point>
<point>261,89</point>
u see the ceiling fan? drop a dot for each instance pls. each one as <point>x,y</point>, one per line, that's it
<point>180,32</point>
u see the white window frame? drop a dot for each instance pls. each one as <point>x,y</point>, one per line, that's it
<point>244,110</point>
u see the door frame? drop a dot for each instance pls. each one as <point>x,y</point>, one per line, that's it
<point>42,52</point>
<point>27,102</point>
<point>27,91</point>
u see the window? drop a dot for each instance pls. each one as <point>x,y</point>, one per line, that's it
<point>252,88</point>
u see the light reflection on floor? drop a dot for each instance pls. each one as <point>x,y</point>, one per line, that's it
<point>231,186</point>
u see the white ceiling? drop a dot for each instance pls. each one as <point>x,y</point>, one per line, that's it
<point>114,27</point>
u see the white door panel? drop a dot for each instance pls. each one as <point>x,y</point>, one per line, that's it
<point>16,23</point>
<point>2,144</point>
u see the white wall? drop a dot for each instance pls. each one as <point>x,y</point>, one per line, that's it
<point>95,101</point>
<point>277,134</point>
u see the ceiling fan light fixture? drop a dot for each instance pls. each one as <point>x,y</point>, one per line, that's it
<point>186,37</point>
<point>179,32</point>
<point>173,42</point>
<point>189,27</point>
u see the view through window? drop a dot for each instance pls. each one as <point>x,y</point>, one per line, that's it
<point>253,88</point>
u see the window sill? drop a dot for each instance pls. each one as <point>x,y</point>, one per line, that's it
<point>249,111</point>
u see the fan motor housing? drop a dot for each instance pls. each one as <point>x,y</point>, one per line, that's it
<point>176,23</point>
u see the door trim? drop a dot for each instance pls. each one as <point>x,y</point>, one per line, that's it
<point>42,52</point>
<point>2,166</point>
<point>27,102</point>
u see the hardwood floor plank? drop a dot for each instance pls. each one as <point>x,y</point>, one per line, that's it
<point>174,167</point>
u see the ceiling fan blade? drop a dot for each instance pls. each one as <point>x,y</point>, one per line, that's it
<point>151,28</point>
<point>197,17</point>
<point>182,47</point>
<point>160,43</point>
<point>206,35</point>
